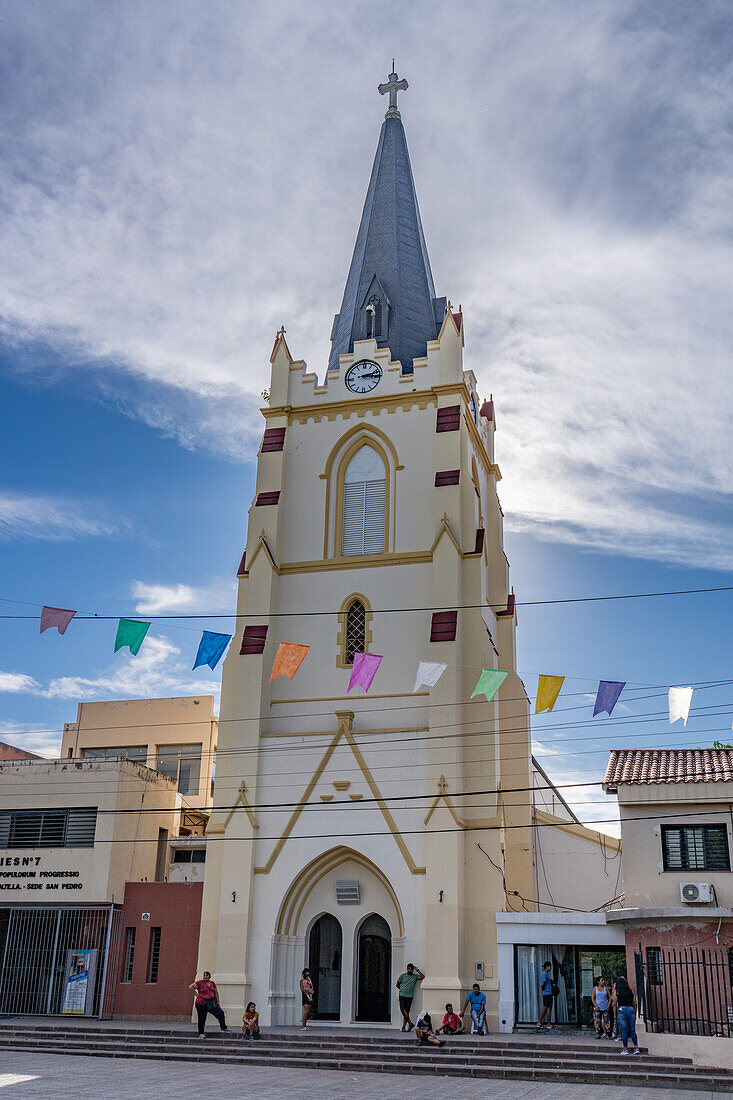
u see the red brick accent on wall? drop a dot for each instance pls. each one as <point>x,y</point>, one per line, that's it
<point>253,639</point>
<point>447,477</point>
<point>479,547</point>
<point>273,439</point>
<point>509,610</point>
<point>448,419</point>
<point>443,626</point>
<point>242,571</point>
<point>175,908</point>
<point>267,498</point>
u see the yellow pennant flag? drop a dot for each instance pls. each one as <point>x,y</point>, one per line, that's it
<point>548,690</point>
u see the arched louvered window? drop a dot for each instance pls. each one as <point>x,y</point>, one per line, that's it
<point>364,504</point>
<point>355,631</point>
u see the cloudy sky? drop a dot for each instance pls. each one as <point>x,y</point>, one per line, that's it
<point>178,179</point>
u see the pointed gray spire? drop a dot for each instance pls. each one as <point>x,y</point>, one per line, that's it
<point>389,291</point>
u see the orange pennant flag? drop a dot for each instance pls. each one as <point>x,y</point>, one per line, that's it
<point>288,659</point>
<point>548,690</point>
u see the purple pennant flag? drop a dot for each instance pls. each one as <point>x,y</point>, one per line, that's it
<point>607,697</point>
<point>364,670</point>
<point>56,616</point>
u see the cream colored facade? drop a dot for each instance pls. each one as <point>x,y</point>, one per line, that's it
<point>137,810</point>
<point>154,728</point>
<point>644,809</point>
<point>346,769</point>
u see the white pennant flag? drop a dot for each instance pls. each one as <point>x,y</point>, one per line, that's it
<point>428,672</point>
<point>679,704</point>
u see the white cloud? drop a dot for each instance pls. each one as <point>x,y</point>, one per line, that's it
<point>575,176</point>
<point>54,519</point>
<point>158,671</point>
<point>18,683</point>
<point>45,742</point>
<point>156,599</point>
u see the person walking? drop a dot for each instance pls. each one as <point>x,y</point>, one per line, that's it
<point>306,995</point>
<point>406,985</point>
<point>601,1001</point>
<point>207,1000</point>
<point>477,1000</point>
<point>546,992</point>
<point>624,1002</point>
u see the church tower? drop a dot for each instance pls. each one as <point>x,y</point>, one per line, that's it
<point>356,832</point>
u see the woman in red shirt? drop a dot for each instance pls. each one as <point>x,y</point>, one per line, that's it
<point>207,1000</point>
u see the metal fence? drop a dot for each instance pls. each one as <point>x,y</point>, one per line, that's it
<point>685,991</point>
<point>59,960</point>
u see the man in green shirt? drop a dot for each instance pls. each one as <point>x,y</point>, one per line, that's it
<point>406,985</point>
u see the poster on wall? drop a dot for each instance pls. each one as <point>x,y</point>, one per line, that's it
<point>81,970</point>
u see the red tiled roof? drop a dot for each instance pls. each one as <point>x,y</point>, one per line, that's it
<point>669,766</point>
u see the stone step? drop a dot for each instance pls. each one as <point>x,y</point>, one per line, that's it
<point>636,1071</point>
<point>456,1052</point>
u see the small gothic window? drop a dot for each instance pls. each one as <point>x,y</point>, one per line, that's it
<point>355,631</point>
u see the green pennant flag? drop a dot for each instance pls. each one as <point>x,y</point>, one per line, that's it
<point>489,683</point>
<point>132,633</point>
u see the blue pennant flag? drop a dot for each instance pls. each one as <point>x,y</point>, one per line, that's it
<point>211,648</point>
<point>607,697</point>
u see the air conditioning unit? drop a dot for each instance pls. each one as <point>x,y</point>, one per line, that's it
<point>696,893</point>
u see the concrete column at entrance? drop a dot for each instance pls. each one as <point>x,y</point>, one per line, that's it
<point>286,964</point>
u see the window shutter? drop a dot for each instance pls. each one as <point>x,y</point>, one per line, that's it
<point>447,477</point>
<point>253,639</point>
<point>443,626</point>
<point>448,419</point>
<point>273,439</point>
<point>80,828</point>
<point>267,498</point>
<point>363,517</point>
<point>374,499</point>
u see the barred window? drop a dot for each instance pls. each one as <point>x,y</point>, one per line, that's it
<point>695,848</point>
<point>64,828</point>
<point>153,956</point>
<point>129,956</point>
<point>654,965</point>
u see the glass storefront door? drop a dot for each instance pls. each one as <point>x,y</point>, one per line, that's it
<point>574,970</point>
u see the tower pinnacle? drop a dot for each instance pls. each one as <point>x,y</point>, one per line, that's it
<point>393,86</point>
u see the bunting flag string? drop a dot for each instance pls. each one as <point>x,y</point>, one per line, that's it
<point>288,659</point>
<point>364,670</point>
<point>489,682</point>
<point>607,696</point>
<point>131,632</point>
<point>428,673</point>
<point>548,689</point>
<point>679,704</point>
<point>59,617</point>
<point>211,648</point>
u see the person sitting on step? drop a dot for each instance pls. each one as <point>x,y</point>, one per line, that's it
<point>251,1022</point>
<point>424,1031</point>
<point>452,1023</point>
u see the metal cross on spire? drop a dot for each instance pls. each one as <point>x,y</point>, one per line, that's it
<point>393,86</point>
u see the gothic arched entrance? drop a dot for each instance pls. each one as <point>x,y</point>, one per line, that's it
<point>373,966</point>
<point>324,962</point>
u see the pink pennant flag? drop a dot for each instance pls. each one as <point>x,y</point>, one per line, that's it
<point>56,616</point>
<point>364,670</point>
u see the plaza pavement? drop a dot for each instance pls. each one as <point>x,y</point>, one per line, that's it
<point>69,1077</point>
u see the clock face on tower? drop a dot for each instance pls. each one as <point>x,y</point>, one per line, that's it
<point>363,376</point>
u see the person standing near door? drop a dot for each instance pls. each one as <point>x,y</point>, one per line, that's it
<point>624,1001</point>
<point>406,985</point>
<point>546,992</point>
<point>306,995</point>
<point>207,1000</point>
<point>601,1000</point>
